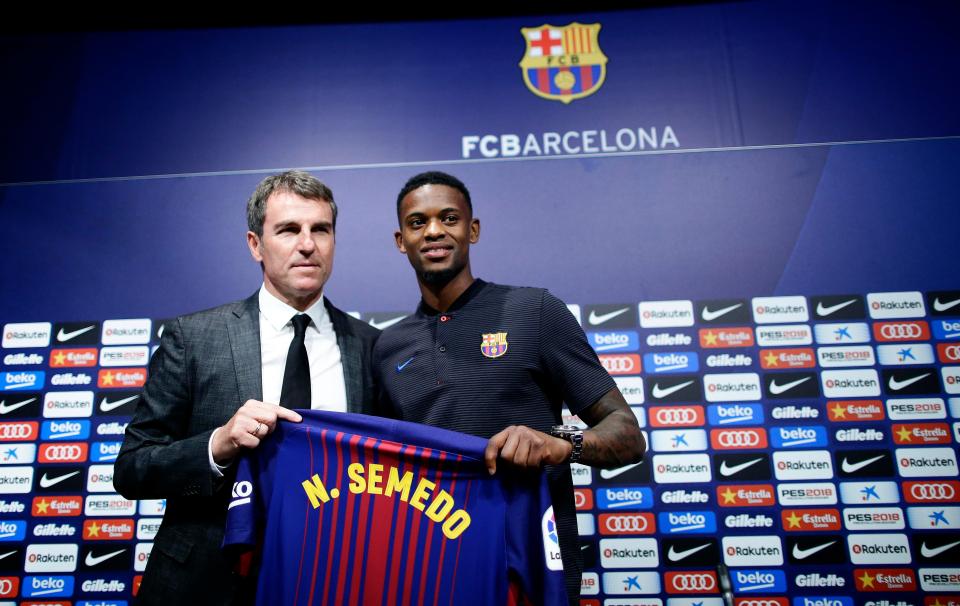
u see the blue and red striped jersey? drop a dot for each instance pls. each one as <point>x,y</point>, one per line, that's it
<point>352,509</point>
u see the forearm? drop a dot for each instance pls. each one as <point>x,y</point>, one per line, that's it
<point>151,468</point>
<point>615,439</point>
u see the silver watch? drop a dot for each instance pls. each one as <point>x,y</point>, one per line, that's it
<point>572,434</point>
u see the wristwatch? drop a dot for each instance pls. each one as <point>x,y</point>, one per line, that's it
<point>572,434</point>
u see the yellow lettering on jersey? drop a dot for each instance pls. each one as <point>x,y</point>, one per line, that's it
<point>316,491</point>
<point>358,484</point>
<point>396,482</point>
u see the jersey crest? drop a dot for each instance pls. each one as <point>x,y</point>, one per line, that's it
<point>494,344</point>
<point>563,63</point>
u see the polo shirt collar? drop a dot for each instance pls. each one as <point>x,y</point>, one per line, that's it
<point>278,314</point>
<point>465,297</point>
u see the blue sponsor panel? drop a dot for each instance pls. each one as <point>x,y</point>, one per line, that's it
<point>104,452</point>
<point>946,330</point>
<point>823,600</point>
<point>22,379</point>
<point>625,498</point>
<point>613,341</point>
<point>47,587</point>
<point>758,581</point>
<point>102,603</point>
<point>12,530</point>
<point>799,436</point>
<point>692,522</point>
<point>669,362</point>
<point>735,414</point>
<point>70,429</point>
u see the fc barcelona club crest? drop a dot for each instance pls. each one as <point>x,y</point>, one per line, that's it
<point>563,63</point>
<point>494,344</point>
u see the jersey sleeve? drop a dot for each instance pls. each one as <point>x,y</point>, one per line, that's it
<point>246,508</point>
<point>572,364</point>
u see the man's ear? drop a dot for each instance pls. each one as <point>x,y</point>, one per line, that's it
<point>398,237</point>
<point>253,243</point>
<point>474,230</point>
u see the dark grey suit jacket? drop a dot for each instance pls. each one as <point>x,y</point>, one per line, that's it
<point>207,366</point>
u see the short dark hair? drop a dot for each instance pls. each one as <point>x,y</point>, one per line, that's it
<point>433,177</point>
<point>294,181</point>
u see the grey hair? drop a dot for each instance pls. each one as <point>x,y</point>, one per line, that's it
<point>294,181</point>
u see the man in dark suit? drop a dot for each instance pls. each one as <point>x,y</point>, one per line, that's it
<point>219,377</point>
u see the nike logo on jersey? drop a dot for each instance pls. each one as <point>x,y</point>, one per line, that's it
<point>400,367</point>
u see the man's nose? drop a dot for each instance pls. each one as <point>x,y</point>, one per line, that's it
<point>305,241</point>
<point>434,229</point>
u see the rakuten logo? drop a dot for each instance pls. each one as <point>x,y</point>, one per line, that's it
<point>126,332</point>
<point>682,468</point>
<point>752,551</point>
<point>67,404</point>
<point>666,314</point>
<point>850,383</point>
<point>888,305</point>
<point>777,310</point>
<point>879,548</point>
<point>631,388</point>
<point>28,334</point>
<point>926,462</point>
<point>731,387</point>
<point>804,465</point>
<point>629,553</point>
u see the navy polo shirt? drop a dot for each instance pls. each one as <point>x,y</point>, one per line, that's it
<point>500,356</point>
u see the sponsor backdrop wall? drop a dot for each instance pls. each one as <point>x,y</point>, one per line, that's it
<point>751,208</point>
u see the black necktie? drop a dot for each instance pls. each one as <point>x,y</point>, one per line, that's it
<point>295,392</point>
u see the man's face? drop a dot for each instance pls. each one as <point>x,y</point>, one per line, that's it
<point>436,231</point>
<point>296,248</point>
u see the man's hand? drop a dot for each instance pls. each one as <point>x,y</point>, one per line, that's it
<point>525,448</point>
<point>251,423</point>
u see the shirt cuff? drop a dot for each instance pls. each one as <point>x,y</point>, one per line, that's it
<point>216,469</point>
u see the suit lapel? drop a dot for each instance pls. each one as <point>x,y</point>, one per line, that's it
<point>351,353</point>
<point>243,327</point>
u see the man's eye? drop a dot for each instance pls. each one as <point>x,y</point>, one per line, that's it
<point>416,222</point>
<point>450,219</point>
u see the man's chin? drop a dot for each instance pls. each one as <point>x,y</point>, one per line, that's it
<point>440,277</point>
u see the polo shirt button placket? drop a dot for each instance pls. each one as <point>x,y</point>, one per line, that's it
<point>441,367</point>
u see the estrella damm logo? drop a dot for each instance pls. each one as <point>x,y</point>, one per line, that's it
<point>563,63</point>
<point>494,344</point>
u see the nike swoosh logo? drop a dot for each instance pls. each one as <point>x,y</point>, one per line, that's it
<point>852,467</point>
<point>404,365</point>
<point>66,336</point>
<point>729,470</point>
<point>937,305</point>
<point>897,385</point>
<point>594,319</point>
<point>709,316</point>
<point>92,560</point>
<point>46,482</point>
<point>106,405</point>
<point>676,556</point>
<point>5,408</point>
<point>777,389</point>
<point>932,553</point>
<point>662,393</point>
<point>6,555</point>
<point>826,311</point>
<point>802,554</point>
<point>607,474</point>
<point>385,323</point>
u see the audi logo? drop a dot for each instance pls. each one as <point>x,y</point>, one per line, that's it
<point>932,492</point>
<point>17,431</point>
<point>900,331</point>
<point>65,452</point>
<point>676,416</point>
<point>743,602</point>
<point>618,364</point>
<point>625,523</point>
<point>952,352</point>
<point>738,438</point>
<point>694,582</point>
<point>6,587</point>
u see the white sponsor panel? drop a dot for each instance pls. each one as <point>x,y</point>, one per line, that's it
<point>841,333</point>
<point>850,383</point>
<point>147,528</point>
<point>678,440</point>
<point>844,356</point>
<point>873,518</point>
<point>732,387</point>
<point>55,557</point>
<point>16,479</point>
<point>890,305</point>
<point>18,454</point>
<point>916,409</point>
<point>551,547</point>
<point>939,579</point>
<point>666,314</point>
<point>681,468</point>
<point>631,388</point>
<point>641,414</point>
<point>152,507</point>
<point>126,332</point>
<point>888,548</point>
<point>590,583</point>
<point>698,602</point>
<point>955,408</point>
<point>783,336</point>
<point>582,475</point>
<point>108,505</point>
<point>801,494</point>
<point>629,553</point>
<point>131,355</point>
<point>933,518</point>
<point>100,478</point>
<point>586,526</point>
<point>142,556</point>
<point>26,334</point>
<point>778,310</point>
<point>904,354</point>
<point>67,404</point>
<point>575,310</point>
<point>753,551</point>
<point>926,462</point>
<point>633,602</point>
<point>951,379</point>
<point>631,583</point>
<point>869,493</point>
<point>803,465</point>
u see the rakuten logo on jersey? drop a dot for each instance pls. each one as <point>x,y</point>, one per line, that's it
<point>807,493</point>
<point>879,548</point>
<point>745,495</point>
<point>855,410</point>
<point>809,520</point>
<point>888,305</point>
<point>57,506</point>
<point>681,468</point>
<point>582,475</point>
<point>845,333</point>
<point>672,362</point>
<point>850,383</point>
<point>109,505</point>
<point>121,378</point>
<point>126,332</point>
<point>811,436</point>
<point>803,465</point>
<point>687,522</point>
<point>629,553</point>
<point>627,523</point>
<point>66,404</point>
<point>758,581</point>
<point>666,314</point>
<point>932,491</point>
<point>723,338</point>
<point>63,452</point>
<point>631,388</point>
<point>699,581</point>
<point>873,518</point>
<point>738,439</point>
<point>731,387</point>
<point>778,310</point>
<point>625,497</point>
<point>631,583</point>
<point>108,530</point>
<point>26,334</point>
<point>849,355</point>
<point>678,440</point>
<point>752,551</point>
<point>926,462</point>
<point>939,579</point>
<point>869,493</point>
<point>100,478</point>
<point>676,416</point>
<point>921,433</point>
<point>51,558</point>
<point>884,579</point>
<point>786,335</point>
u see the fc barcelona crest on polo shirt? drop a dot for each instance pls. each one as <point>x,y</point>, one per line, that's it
<point>563,63</point>
<point>494,344</point>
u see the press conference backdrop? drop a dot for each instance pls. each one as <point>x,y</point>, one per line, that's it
<point>750,207</point>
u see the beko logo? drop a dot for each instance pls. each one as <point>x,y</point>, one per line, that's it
<point>666,314</point>
<point>803,465</point>
<point>752,551</point>
<point>879,548</point>
<point>673,362</point>
<point>126,332</point>
<point>758,581</point>
<point>23,380</point>
<point>807,493</point>
<point>602,342</point>
<point>682,468</point>
<point>26,334</point>
<point>915,409</point>
<point>735,414</point>
<point>696,522</point>
<point>890,305</point>
<point>729,387</point>
<point>849,355</point>
<point>925,462</point>
<point>873,518</point>
<point>812,436</point>
<point>625,497</point>
<point>676,416</point>
<point>65,430</point>
<point>629,553</point>
<point>850,383</point>
<point>777,310</point>
<point>784,336</point>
